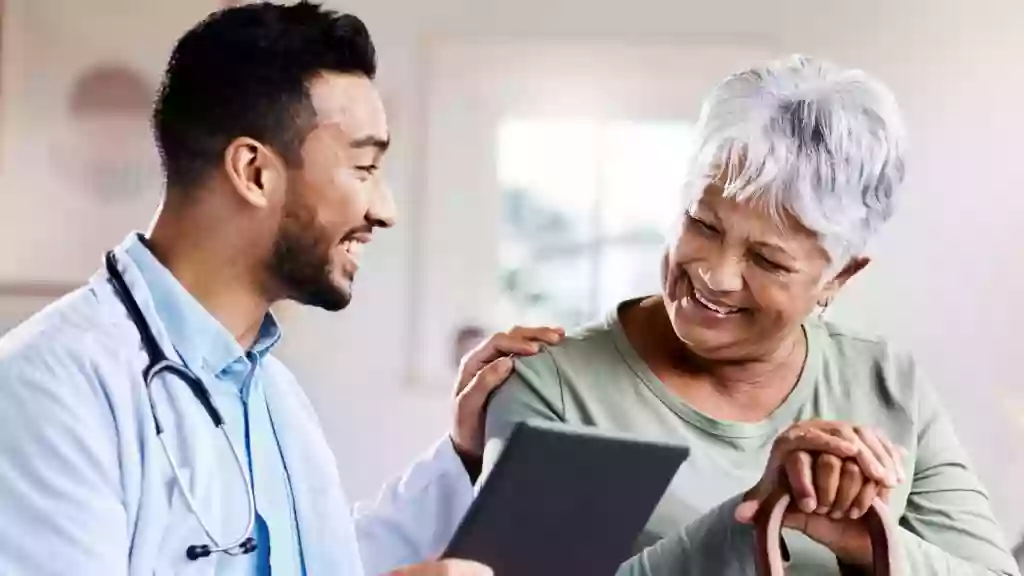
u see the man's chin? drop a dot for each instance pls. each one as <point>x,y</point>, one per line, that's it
<point>333,305</point>
<point>330,298</point>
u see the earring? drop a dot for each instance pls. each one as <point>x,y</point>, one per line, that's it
<point>824,306</point>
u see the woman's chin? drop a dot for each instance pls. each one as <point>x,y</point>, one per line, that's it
<point>711,343</point>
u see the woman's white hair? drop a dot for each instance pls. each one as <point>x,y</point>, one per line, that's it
<point>805,137</point>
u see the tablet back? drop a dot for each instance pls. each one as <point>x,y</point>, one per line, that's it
<point>565,501</point>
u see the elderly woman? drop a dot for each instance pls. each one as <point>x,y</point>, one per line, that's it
<point>796,166</point>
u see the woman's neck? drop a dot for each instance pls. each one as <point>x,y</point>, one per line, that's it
<point>747,389</point>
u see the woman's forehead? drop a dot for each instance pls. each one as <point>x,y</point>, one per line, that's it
<point>756,219</point>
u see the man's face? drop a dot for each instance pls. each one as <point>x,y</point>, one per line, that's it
<point>337,197</point>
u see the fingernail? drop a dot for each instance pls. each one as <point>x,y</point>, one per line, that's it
<point>855,513</point>
<point>820,510</point>
<point>807,505</point>
<point>836,515</point>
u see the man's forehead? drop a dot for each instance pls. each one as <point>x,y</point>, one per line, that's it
<point>350,103</point>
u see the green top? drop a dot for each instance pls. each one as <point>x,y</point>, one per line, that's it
<point>596,378</point>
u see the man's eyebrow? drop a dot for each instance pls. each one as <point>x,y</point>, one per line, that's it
<point>371,141</point>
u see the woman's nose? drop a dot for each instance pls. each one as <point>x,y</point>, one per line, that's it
<point>723,274</point>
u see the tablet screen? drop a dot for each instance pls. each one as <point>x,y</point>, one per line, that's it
<point>564,501</point>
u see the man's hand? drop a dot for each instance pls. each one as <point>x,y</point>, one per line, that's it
<point>445,568</point>
<point>834,471</point>
<point>484,369</point>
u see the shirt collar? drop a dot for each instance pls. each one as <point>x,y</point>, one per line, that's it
<point>201,340</point>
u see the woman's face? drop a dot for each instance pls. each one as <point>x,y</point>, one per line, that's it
<point>736,283</point>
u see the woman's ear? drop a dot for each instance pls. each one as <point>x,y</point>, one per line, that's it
<point>833,286</point>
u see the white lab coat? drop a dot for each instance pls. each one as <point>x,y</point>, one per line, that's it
<point>415,516</point>
<point>85,487</point>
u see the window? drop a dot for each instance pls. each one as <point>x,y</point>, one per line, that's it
<point>585,207</point>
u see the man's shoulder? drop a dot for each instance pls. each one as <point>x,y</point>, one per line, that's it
<point>73,331</point>
<point>67,362</point>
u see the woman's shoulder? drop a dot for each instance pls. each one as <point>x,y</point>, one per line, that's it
<point>583,348</point>
<point>857,346</point>
<point>869,369</point>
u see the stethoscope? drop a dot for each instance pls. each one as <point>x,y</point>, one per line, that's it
<point>159,364</point>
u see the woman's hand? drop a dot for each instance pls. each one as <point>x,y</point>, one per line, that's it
<point>838,526</point>
<point>791,455</point>
<point>832,484</point>
<point>833,471</point>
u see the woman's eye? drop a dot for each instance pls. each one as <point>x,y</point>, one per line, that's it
<point>769,265</point>
<point>702,225</point>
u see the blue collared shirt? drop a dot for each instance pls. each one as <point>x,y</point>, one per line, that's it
<point>235,380</point>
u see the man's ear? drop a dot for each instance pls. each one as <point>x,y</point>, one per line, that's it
<point>254,170</point>
<point>833,286</point>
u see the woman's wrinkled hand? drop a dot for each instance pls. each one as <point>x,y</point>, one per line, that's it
<point>834,471</point>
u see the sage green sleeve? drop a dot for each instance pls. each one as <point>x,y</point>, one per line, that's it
<point>532,392</point>
<point>715,543</point>
<point>948,527</point>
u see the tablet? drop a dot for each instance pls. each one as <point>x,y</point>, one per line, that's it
<point>565,501</point>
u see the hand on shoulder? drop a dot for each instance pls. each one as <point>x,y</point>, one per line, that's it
<point>482,371</point>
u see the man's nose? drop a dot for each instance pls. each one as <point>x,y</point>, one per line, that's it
<point>382,212</point>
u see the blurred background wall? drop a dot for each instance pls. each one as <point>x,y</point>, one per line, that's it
<point>534,167</point>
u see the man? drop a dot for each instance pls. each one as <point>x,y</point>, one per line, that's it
<point>272,138</point>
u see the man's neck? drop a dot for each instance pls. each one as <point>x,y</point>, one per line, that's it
<point>212,271</point>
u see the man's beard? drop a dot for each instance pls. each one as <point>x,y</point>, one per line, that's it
<point>301,260</point>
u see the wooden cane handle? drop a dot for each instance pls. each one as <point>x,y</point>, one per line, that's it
<point>768,523</point>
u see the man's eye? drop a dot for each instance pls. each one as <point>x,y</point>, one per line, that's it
<point>369,169</point>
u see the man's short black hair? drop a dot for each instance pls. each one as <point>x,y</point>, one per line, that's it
<point>244,71</point>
